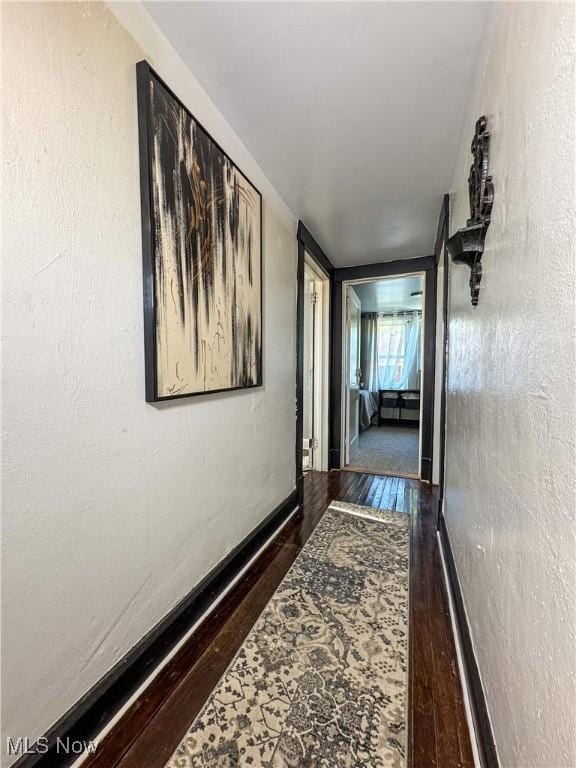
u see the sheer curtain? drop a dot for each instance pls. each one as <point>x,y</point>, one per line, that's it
<point>391,351</point>
<point>411,374</point>
<point>369,351</point>
<point>411,379</point>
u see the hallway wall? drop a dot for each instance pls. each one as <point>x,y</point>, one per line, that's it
<point>511,421</point>
<point>113,510</point>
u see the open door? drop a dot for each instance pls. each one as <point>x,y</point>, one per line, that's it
<point>309,438</point>
<point>353,377</point>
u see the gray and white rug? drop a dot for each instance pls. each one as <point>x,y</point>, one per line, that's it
<point>321,680</point>
<point>387,450</point>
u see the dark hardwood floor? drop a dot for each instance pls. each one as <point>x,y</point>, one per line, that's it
<point>151,729</point>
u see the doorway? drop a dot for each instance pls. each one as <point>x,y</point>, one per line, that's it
<point>383,344</point>
<point>314,277</point>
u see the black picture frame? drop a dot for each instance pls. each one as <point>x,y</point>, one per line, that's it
<point>144,74</point>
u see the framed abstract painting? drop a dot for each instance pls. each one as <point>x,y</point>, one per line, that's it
<point>202,254</point>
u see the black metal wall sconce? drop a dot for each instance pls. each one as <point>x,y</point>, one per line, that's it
<point>467,245</point>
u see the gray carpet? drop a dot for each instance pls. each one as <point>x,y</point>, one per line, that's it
<point>387,450</point>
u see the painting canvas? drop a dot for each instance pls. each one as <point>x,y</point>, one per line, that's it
<point>202,227</point>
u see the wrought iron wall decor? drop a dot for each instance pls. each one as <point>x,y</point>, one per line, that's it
<point>467,245</point>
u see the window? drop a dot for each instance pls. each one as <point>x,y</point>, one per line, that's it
<point>391,350</point>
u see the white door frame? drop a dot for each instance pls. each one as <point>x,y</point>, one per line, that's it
<point>344,454</point>
<point>321,364</point>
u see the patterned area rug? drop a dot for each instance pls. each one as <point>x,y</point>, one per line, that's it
<point>321,680</point>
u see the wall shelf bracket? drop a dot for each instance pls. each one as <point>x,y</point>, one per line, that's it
<point>466,246</point>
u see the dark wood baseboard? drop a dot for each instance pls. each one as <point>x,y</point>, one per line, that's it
<point>485,737</point>
<point>87,717</point>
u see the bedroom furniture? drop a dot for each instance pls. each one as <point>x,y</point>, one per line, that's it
<point>368,408</point>
<point>400,406</point>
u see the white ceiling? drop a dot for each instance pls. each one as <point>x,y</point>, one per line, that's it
<point>390,295</point>
<point>354,110</point>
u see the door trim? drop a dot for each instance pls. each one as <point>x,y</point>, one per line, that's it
<point>428,375</point>
<point>321,361</point>
<point>346,375</point>
<point>426,265</point>
<point>440,254</point>
<point>307,245</point>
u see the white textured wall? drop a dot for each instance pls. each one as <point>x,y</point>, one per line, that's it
<point>112,509</point>
<point>511,426</point>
